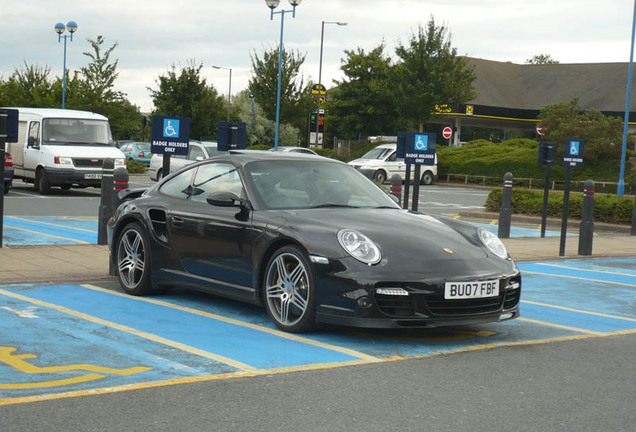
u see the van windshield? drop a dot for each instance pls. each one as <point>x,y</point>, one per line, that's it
<point>377,153</point>
<point>66,131</point>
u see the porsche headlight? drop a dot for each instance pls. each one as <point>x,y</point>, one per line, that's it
<point>359,246</point>
<point>493,243</point>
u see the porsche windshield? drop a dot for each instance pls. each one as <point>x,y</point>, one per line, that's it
<point>65,131</point>
<point>286,184</point>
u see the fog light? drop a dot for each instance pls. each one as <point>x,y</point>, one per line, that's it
<point>364,302</point>
<point>392,291</point>
<point>506,316</point>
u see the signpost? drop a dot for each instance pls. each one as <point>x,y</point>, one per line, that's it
<point>417,149</point>
<point>231,135</point>
<point>572,158</point>
<point>447,132</point>
<point>8,133</point>
<point>170,136</point>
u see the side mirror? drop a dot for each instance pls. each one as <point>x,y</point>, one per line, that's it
<point>199,158</point>
<point>225,199</point>
<point>32,142</point>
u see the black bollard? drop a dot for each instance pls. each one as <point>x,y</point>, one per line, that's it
<point>396,186</point>
<point>505,213</point>
<point>586,230</point>
<point>120,183</point>
<point>106,203</point>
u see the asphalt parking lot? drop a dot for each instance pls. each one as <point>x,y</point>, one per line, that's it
<point>75,340</point>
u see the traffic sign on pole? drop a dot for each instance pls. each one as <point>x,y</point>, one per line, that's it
<point>447,132</point>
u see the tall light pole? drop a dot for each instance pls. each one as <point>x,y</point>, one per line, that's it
<point>229,93</point>
<point>322,39</point>
<point>620,189</point>
<point>71,26</point>
<point>273,4</point>
<point>252,129</point>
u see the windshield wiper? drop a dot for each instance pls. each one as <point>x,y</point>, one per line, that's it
<point>333,205</point>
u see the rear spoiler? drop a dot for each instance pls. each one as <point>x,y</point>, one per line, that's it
<point>128,194</point>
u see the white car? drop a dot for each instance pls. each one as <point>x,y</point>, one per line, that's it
<point>295,150</point>
<point>381,163</point>
<point>198,150</point>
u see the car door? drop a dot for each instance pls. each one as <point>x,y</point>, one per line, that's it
<point>214,243</point>
<point>395,165</point>
<point>32,153</point>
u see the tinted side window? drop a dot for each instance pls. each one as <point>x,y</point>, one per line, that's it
<point>179,186</point>
<point>195,152</point>
<point>216,177</point>
<point>34,132</point>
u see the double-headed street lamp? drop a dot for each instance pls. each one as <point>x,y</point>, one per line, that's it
<point>71,26</point>
<point>273,4</point>
<point>322,38</point>
<point>229,93</point>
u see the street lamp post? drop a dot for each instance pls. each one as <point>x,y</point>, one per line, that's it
<point>322,38</point>
<point>620,189</point>
<point>71,26</point>
<point>252,129</point>
<point>273,4</point>
<point>229,93</point>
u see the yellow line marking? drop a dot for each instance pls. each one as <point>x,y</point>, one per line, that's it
<point>278,333</point>
<point>494,222</point>
<point>51,383</point>
<point>145,335</point>
<point>587,270</point>
<point>51,224</point>
<point>580,278</point>
<point>47,235</point>
<point>579,311</point>
<point>559,326</point>
<point>236,375</point>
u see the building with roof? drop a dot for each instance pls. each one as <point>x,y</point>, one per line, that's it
<point>510,96</point>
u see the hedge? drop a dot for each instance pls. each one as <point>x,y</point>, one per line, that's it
<point>607,208</point>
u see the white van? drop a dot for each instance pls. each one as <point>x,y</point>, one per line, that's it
<point>60,147</point>
<point>381,163</point>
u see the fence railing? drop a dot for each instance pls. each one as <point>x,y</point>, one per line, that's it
<point>532,183</point>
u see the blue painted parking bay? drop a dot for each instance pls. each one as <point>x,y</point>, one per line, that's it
<point>81,339</point>
<point>48,230</point>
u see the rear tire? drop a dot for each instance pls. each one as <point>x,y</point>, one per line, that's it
<point>7,187</point>
<point>379,176</point>
<point>43,185</point>
<point>427,178</point>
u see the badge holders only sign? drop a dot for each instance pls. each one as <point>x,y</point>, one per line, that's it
<point>170,135</point>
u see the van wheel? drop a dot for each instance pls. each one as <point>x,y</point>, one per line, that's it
<point>43,183</point>
<point>379,176</point>
<point>427,178</point>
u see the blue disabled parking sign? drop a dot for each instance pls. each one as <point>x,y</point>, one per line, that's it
<point>170,135</point>
<point>573,153</point>
<point>416,148</point>
<point>421,142</point>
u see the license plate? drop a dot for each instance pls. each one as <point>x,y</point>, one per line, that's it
<point>471,290</point>
<point>93,176</point>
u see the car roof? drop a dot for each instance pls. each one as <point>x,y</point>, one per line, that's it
<point>246,156</point>
<point>390,145</point>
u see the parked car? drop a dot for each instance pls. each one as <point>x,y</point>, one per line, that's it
<point>292,149</point>
<point>381,163</point>
<point>8,172</point>
<point>136,151</point>
<point>198,151</point>
<point>312,240</point>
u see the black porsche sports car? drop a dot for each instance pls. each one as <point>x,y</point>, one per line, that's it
<point>314,241</point>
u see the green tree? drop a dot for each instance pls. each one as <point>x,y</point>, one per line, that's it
<point>295,96</point>
<point>541,59</point>
<point>184,92</point>
<point>363,102</point>
<point>29,87</point>
<point>567,120</point>
<point>429,72</point>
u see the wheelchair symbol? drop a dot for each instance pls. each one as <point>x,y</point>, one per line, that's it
<point>421,142</point>
<point>574,148</point>
<point>170,131</point>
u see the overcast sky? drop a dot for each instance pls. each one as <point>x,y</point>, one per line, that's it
<point>154,34</point>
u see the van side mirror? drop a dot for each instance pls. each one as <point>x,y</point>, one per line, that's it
<point>32,142</point>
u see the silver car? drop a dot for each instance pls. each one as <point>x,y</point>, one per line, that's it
<point>198,150</point>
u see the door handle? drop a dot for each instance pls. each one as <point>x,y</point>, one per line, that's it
<point>177,221</point>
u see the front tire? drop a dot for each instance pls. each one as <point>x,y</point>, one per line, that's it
<point>44,187</point>
<point>290,290</point>
<point>133,260</point>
